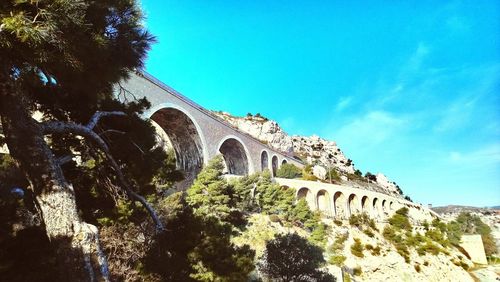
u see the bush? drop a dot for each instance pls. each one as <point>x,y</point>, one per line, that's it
<point>357,248</point>
<point>357,271</point>
<point>289,171</point>
<point>375,251</point>
<point>428,247</point>
<point>274,218</point>
<point>337,260</point>
<point>362,221</point>
<point>337,222</point>
<point>417,267</point>
<point>369,233</point>
<point>290,257</point>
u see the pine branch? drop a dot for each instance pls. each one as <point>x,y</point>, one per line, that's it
<point>87,132</point>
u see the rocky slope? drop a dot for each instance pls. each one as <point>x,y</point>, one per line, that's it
<point>387,265</point>
<point>321,153</point>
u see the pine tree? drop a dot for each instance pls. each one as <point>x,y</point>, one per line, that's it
<point>62,58</point>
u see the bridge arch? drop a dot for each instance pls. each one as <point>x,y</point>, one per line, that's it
<point>340,204</point>
<point>384,207</point>
<point>323,202</point>
<point>283,162</point>
<point>274,165</point>
<point>365,205</point>
<point>376,208</point>
<point>264,160</point>
<point>305,193</point>
<point>185,136</point>
<point>353,204</point>
<point>236,156</point>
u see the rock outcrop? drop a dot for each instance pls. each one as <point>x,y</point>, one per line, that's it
<point>322,154</point>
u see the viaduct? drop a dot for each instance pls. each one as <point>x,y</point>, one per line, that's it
<point>197,135</point>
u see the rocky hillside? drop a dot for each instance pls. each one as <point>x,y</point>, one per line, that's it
<point>322,154</point>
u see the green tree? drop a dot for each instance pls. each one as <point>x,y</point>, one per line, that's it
<point>289,171</point>
<point>210,194</point>
<point>290,257</point>
<point>62,58</point>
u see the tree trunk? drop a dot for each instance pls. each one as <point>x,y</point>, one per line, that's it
<point>76,243</point>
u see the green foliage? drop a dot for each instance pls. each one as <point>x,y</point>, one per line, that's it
<point>357,248</point>
<point>362,221</point>
<point>400,220</point>
<point>196,247</point>
<point>289,171</point>
<point>319,235</point>
<point>307,173</point>
<point>290,257</point>
<point>472,224</point>
<point>371,176</point>
<point>337,260</point>
<point>357,271</point>
<point>210,194</point>
<point>333,175</point>
<point>429,247</point>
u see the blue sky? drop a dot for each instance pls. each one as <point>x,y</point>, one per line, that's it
<point>407,88</point>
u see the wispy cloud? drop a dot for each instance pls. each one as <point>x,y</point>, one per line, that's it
<point>343,103</point>
<point>371,128</point>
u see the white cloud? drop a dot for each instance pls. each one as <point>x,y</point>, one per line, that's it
<point>371,129</point>
<point>343,103</point>
<point>489,154</point>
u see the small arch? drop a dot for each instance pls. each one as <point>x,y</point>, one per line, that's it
<point>376,207</point>
<point>391,206</point>
<point>339,203</point>
<point>353,204</point>
<point>305,193</point>
<point>274,164</point>
<point>235,156</point>
<point>323,202</point>
<point>365,205</point>
<point>384,206</point>
<point>283,162</point>
<point>264,161</point>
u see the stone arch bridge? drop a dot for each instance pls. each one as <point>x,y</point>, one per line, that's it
<point>197,135</point>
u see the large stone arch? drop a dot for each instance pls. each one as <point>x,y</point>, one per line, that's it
<point>264,160</point>
<point>235,156</point>
<point>274,165</point>
<point>184,136</point>
<point>339,202</point>
<point>305,193</point>
<point>365,205</point>
<point>323,202</point>
<point>353,204</point>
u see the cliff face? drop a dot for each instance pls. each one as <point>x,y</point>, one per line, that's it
<point>322,154</point>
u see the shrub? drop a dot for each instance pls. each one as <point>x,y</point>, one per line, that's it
<point>337,222</point>
<point>400,220</point>
<point>426,263</point>
<point>361,221</point>
<point>337,260</point>
<point>428,247</point>
<point>289,171</point>
<point>357,248</point>
<point>290,257</point>
<point>357,271</point>
<point>274,218</point>
<point>369,233</point>
<point>417,267</point>
<point>375,251</point>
